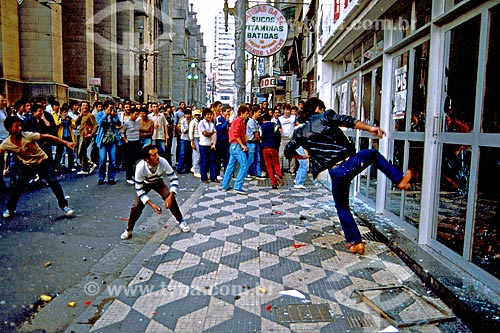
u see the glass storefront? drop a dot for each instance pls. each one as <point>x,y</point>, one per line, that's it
<point>448,135</point>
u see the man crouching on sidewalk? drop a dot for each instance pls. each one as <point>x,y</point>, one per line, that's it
<point>148,176</point>
<point>33,161</point>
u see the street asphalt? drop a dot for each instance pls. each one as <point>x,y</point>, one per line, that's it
<point>44,252</point>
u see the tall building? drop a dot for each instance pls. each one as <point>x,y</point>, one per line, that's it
<point>96,49</point>
<point>224,55</point>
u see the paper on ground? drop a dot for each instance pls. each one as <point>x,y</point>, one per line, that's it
<point>293,293</point>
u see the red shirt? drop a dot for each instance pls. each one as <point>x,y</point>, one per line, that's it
<point>237,130</point>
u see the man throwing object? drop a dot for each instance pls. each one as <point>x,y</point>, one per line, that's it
<point>33,161</point>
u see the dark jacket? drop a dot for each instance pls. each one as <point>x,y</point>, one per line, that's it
<point>325,142</point>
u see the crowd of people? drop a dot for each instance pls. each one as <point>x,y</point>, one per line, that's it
<point>210,142</point>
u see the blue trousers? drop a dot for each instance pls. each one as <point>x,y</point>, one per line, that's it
<point>253,162</point>
<point>237,155</point>
<point>341,181</point>
<point>107,150</point>
<point>207,163</point>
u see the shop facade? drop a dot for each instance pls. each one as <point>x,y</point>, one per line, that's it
<point>427,73</point>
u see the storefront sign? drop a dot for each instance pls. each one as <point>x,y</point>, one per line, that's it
<point>399,110</point>
<point>266,30</point>
<point>269,82</point>
<point>94,81</point>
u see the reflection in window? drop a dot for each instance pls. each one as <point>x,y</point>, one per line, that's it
<point>486,242</point>
<point>419,99</point>
<point>491,116</point>
<point>368,178</point>
<point>423,13</point>
<point>377,99</point>
<point>461,76</point>
<point>393,201</point>
<point>453,193</point>
<point>367,98</point>
<point>400,92</point>
<point>414,195</point>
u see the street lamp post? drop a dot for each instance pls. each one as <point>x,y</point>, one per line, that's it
<point>192,77</point>
<point>140,93</point>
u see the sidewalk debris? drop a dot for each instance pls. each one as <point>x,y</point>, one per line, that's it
<point>293,293</point>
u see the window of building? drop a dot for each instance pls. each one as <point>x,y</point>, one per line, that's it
<point>400,92</point>
<point>460,76</point>
<point>491,112</point>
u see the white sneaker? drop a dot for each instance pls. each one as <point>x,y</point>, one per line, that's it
<point>92,167</point>
<point>126,235</point>
<point>6,213</point>
<point>184,227</point>
<point>68,211</point>
<point>248,177</point>
<point>82,173</point>
<point>130,181</point>
<point>192,170</point>
<point>197,175</point>
<point>301,187</point>
<point>220,178</point>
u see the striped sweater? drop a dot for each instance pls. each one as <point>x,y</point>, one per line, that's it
<point>146,174</point>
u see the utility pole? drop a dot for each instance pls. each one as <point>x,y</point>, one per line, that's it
<point>239,62</point>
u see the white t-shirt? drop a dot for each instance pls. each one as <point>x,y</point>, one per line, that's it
<point>205,126</point>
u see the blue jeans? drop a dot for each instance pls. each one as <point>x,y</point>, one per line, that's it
<point>207,163</point>
<point>184,163</point>
<point>160,145</point>
<point>341,181</point>
<point>236,155</point>
<point>253,162</point>
<point>145,141</point>
<point>107,149</point>
<point>300,177</point>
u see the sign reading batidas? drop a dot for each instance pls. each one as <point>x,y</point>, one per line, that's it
<point>266,30</point>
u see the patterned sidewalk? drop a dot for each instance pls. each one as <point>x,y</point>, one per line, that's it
<point>227,274</point>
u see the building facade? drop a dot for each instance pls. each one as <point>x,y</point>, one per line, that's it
<point>89,50</point>
<point>426,72</point>
<point>224,57</point>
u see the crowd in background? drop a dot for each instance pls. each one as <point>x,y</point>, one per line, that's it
<point>109,137</point>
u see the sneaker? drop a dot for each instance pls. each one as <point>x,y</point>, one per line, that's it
<point>68,211</point>
<point>226,189</point>
<point>82,172</point>
<point>219,178</point>
<point>241,191</point>
<point>73,169</point>
<point>92,167</point>
<point>300,187</point>
<point>7,213</point>
<point>191,170</point>
<point>100,182</point>
<point>184,227</point>
<point>130,181</point>
<point>112,182</point>
<point>248,177</point>
<point>126,235</point>
<point>197,175</point>
<point>260,178</point>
